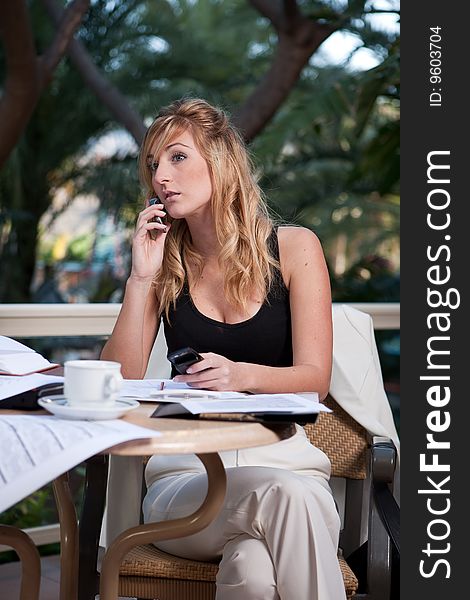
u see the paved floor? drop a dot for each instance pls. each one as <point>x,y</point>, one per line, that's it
<point>10,579</point>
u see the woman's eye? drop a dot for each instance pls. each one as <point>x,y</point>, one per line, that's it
<point>153,166</point>
<point>178,156</point>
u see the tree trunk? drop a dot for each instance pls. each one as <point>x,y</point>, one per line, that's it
<point>104,90</point>
<point>27,74</point>
<point>19,261</point>
<point>289,60</point>
<point>18,257</point>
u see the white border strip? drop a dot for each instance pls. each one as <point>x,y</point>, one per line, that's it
<point>48,320</point>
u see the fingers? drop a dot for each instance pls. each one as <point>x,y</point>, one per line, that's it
<point>149,222</point>
<point>152,228</point>
<point>209,379</point>
<point>155,210</point>
<point>197,378</point>
<point>210,382</point>
<point>202,365</point>
<point>203,373</point>
<point>156,229</point>
<point>152,209</point>
<point>211,373</point>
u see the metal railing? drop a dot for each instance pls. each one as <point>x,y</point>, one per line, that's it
<point>49,320</point>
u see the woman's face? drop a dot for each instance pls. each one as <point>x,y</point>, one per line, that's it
<point>181,178</point>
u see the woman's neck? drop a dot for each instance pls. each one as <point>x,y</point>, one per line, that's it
<point>204,238</point>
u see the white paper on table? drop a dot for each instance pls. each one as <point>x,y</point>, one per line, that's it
<point>36,449</point>
<point>265,403</point>
<point>167,390</point>
<point>18,359</point>
<point>10,385</point>
<point>10,345</point>
<point>139,388</point>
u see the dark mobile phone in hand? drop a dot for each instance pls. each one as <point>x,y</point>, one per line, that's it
<point>153,232</point>
<point>183,358</point>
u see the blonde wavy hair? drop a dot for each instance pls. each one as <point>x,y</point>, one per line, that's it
<point>241,217</point>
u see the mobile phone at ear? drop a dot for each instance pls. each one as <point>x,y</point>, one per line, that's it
<point>183,358</point>
<point>152,232</point>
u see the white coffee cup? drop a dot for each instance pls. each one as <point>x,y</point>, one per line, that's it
<point>92,382</point>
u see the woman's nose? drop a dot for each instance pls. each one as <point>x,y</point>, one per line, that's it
<point>161,174</point>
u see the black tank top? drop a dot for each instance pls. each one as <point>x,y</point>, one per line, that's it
<point>265,338</point>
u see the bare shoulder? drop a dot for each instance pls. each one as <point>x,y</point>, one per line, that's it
<point>303,263</point>
<point>298,243</point>
<point>300,253</point>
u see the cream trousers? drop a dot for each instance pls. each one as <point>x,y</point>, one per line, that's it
<point>276,535</point>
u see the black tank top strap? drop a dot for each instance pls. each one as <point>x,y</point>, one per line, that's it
<point>273,243</point>
<point>278,285</point>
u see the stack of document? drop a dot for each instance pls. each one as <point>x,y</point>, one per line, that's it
<point>36,450</point>
<point>11,386</point>
<point>283,404</point>
<point>198,401</point>
<point>18,359</point>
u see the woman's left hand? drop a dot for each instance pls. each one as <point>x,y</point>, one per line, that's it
<point>214,372</point>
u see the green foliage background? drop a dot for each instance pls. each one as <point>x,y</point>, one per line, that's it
<point>328,160</point>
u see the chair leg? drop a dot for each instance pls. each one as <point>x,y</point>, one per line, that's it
<point>30,561</point>
<point>68,538</point>
<point>90,525</point>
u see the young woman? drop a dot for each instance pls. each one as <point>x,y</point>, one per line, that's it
<point>254,300</point>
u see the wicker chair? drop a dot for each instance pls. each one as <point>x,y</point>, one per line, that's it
<point>150,573</point>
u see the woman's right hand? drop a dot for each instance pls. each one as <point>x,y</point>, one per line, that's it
<point>147,253</point>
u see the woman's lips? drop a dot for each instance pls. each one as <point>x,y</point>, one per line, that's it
<point>171,195</point>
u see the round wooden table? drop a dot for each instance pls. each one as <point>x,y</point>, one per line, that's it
<point>192,436</point>
<point>205,438</point>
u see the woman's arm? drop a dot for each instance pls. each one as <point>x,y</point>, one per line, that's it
<point>137,325</point>
<point>305,273</point>
<point>135,330</point>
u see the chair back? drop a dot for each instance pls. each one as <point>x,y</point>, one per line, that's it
<point>342,439</point>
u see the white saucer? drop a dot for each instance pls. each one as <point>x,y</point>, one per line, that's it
<point>59,406</point>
